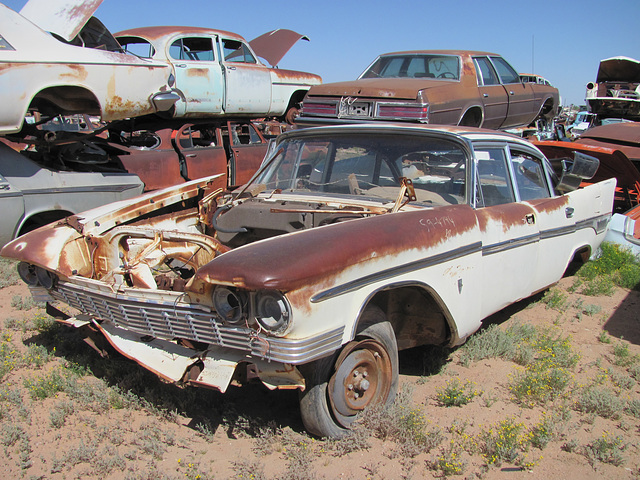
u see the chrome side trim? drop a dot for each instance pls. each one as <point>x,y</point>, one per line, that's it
<point>509,244</point>
<point>395,271</point>
<point>171,320</point>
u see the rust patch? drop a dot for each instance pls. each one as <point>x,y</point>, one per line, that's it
<point>198,72</point>
<point>324,252</point>
<point>77,72</point>
<point>509,215</point>
<point>550,205</point>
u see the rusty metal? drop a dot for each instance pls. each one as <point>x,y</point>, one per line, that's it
<point>274,45</point>
<point>63,17</point>
<point>623,136</point>
<point>363,377</point>
<point>324,253</point>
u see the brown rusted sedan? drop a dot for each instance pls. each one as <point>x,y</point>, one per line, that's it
<point>351,243</point>
<point>444,87</point>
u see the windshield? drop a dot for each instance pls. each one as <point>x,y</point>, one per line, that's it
<point>369,165</point>
<point>415,66</point>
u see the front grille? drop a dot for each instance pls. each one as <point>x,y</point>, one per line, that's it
<point>168,321</point>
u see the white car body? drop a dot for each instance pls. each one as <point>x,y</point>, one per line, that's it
<point>41,72</point>
<point>217,73</point>
<point>350,243</point>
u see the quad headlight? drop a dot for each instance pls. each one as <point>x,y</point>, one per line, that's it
<point>273,312</point>
<point>36,276</point>
<point>269,309</point>
<point>231,304</point>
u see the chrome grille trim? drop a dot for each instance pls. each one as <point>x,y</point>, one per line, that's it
<point>167,321</point>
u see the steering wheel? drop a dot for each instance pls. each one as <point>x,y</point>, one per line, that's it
<point>447,75</point>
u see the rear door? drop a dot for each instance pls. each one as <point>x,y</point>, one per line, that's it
<point>247,82</point>
<point>520,95</point>
<point>492,93</point>
<point>508,228</point>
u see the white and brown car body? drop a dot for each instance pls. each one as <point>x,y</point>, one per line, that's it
<point>442,87</point>
<point>77,68</point>
<point>350,243</point>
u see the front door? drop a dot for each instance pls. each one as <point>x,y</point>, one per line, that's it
<point>509,232</point>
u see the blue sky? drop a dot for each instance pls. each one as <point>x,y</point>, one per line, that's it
<point>563,41</point>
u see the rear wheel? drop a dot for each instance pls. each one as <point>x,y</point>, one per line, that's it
<point>363,373</point>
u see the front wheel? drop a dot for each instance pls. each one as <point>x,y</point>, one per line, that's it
<point>363,373</point>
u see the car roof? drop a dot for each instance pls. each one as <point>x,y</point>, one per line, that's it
<point>441,52</point>
<point>161,32</point>
<point>468,133</point>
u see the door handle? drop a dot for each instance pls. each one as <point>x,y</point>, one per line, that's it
<point>190,155</point>
<point>511,92</point>
<point>530,219</point>
<point>485,95</point>
<point>231,68</point>
<point>181,65</point>
<point>569,212</point>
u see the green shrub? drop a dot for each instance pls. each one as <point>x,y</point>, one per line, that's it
<point>456,394</point>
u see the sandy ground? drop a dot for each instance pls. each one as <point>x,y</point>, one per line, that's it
<point>99,438</point>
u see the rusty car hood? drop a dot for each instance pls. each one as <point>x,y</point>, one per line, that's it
<point>274,45</point>
<point>623,69</point>
<point>62,17</point>
<point>405,88</point>
<point>621,136</point>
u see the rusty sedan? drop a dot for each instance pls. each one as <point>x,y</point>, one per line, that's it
<point>55,58</point>
<point>446,87</point>
<point>350,243</point>
<point>217,73</point>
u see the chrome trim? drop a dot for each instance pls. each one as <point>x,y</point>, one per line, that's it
<point>83,189</point>
<point>168,320</point>
<point>509,244</point>
<point>399,270</point>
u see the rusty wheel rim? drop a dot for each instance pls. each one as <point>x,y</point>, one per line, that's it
<point>362,377</point>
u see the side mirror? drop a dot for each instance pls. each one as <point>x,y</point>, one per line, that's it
<point>582,167</point>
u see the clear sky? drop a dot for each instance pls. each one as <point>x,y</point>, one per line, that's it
<point>563,40</point>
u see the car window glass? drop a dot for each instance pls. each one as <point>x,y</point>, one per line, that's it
<point>236,51</point>
<point>137,46</point>
<point>493,177</point>
<point>373,165</point>
<point>485,72</point>
<point>505,71</point>
<point>415,66</point>
<point>529,175</point>
<point>195,49</point>
<point>244,134</point>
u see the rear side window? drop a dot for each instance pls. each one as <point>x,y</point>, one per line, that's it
<point>236,51</point>
<point>530,177</point>
<point>505,71</point>
<point>485,72</point>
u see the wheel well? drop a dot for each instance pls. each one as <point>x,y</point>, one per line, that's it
<point>471,118</point>
<point>42,218</point>
<point>296,98</point>
<point>415,314</point>
<point>65,100</point>
<point>580,257</point>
